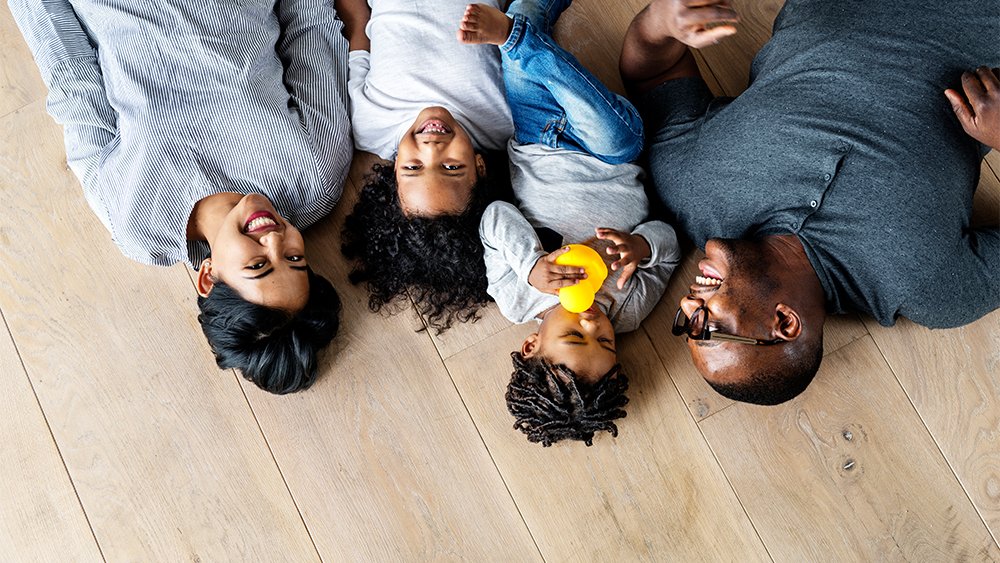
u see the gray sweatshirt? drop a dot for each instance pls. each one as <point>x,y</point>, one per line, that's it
<point>572,192</point>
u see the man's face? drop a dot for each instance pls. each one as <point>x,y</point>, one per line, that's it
<point>436,165</point>
<point>735,288</point>
<point>261,256</point>
<point>583,342</point>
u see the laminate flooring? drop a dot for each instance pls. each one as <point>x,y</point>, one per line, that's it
<point>122,441</point>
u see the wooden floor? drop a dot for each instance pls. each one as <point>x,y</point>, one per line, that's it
<point>121,441</point>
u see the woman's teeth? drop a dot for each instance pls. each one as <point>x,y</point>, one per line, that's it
<point>258,223</point>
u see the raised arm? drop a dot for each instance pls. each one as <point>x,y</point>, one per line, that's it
<point>355,15</point>
<point>68,62</point>
<point>656,43</point>
<point>313,52</point>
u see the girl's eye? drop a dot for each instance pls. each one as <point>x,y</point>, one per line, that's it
<point>412,167</point>
<point>256,266</point>
<point>294,258</point>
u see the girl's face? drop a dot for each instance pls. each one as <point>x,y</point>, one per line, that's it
<point>436,166</point>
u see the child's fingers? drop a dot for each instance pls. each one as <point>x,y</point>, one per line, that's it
<point>626,274</point>
<point>571,272</point>
<point>556,254</point>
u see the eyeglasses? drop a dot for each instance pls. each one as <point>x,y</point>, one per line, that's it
<point>697,329</point>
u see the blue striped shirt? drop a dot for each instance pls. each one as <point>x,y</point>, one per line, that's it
<point>165,103</point>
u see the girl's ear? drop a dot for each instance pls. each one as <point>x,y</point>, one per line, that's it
<point>480,166</point>
<point>205,280</point>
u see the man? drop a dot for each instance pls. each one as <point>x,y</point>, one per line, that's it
<point>210,133</point>
<point>841,180</point>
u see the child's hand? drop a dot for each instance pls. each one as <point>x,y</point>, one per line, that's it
<point>632,248</point>
<point>548,277</point>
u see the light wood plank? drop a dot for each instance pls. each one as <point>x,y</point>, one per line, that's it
<point>380,454</point>
<point>730,58</point>
<point>654,493</point>
<point>38,497</point>
<point>593,31</point>
<point>953,379</point>
<point>700,398</point>
<point>160,444</point>
<point>986,202</point>
<point>846,472</point>
<point>20,81</point>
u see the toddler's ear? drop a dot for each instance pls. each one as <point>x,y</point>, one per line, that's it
<point>530,346</point>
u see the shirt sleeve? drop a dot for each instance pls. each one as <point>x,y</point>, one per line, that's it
<point>511,248</point>
<point>649,281</point>
<point>662,241</point>
<point>313,52</point>
<point>77,99</point>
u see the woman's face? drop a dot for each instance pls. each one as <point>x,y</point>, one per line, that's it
<point>260,255</point>
<point>436,165</point>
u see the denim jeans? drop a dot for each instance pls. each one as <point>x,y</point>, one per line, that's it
<point>554,100</point>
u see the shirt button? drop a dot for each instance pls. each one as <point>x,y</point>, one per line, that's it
<point>813,203</point>
<point>827,177</point>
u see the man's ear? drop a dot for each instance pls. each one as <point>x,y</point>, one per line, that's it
<point>787,323</point>
<point>205,281</point>
<point>480,166</point>
<point>530,346</point>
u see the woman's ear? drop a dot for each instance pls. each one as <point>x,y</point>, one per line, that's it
<point>787,323</point>
<point>205,281</point>
<point>480,166</point>
<point>530,346</point>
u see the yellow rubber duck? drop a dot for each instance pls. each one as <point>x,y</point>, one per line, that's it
<point>578,298</point>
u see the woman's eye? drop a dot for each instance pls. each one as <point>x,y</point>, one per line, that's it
<point>256,266</point>
<point>451,166</point>
<point>294,258</point>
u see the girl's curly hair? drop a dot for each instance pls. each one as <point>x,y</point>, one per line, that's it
<point>437,261</point>
<point>549,406</point>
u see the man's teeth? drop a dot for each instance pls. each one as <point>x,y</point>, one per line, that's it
<point>702,280</point>
<point>259,222</point>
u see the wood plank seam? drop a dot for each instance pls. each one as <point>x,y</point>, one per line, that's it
<point>48,428</point>
<point>937,443</point>
<point>284,481</point>
<point>506,487</point>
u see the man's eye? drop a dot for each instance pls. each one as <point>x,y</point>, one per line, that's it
<point>256,266</point>
<point>294,258</point>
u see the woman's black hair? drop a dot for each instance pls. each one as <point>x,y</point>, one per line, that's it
<point>548,405</point>
<point>274,350</point>
<point>435,261</point>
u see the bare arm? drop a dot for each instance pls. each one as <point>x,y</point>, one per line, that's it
<point>656,43</point>
<point>355,15</point>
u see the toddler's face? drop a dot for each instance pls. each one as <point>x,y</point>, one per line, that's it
<point>583,342</point>
<point>436,165</point>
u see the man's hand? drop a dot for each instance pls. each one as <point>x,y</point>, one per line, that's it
<point>688,21</point>
<point>979,110</point>
<point>632,249</point>
<point>548,277</point>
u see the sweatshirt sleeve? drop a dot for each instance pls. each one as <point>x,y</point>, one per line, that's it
<point>649,281</point>
<point>511,248</point>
